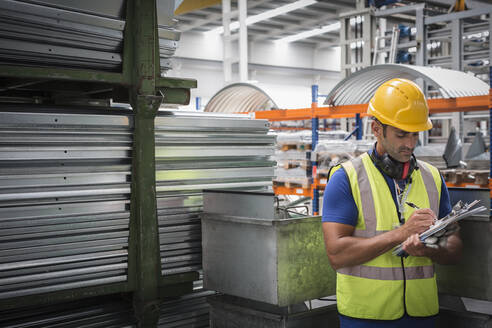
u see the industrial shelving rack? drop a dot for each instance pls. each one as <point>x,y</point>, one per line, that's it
<point>356,32</point>
<point>314,113</point>
<point>440,40</point>
<point>140,83</point>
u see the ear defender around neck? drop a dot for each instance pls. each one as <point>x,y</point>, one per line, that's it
<point>393,168</point>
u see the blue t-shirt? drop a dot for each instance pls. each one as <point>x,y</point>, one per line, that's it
<point>339,206</point>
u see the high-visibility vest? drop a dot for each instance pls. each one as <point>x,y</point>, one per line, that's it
<point>387,286</point>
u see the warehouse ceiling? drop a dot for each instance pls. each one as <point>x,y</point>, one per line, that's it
<point>313,15</point>
<point>306,16</point>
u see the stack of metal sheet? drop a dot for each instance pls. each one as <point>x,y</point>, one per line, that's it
<point>64,198</point>
<point>190,310</point>
<point>94,313</point>
<point>32,34</point>
<point>197,151</point>
<point>52,33</point>
<point>168,34</point>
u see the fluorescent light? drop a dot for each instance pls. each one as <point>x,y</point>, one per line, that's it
<point>310,33</point>
<point>266,15</point>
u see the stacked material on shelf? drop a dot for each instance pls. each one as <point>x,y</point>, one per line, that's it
<point>38,35</point>
<point>431,154</point>
<point>101,312</point>
<point>64,198</point>
<point>197,151</point>
<point>459,176</point>
<point>51,33</point>
<point>475,170</point>
<point>329,153</point>
<point>168,34</point>
<point>479,162</point>
<point>293,156</point>
<point>65,190</point>
<point>191,310</point>
<point>475,33</point>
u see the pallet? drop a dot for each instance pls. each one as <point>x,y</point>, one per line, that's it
<point>294,163</point>
<point>295,146</point>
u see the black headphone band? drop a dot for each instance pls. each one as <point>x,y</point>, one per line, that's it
<point>392,167</point>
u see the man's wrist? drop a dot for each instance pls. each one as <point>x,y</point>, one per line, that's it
<point>402,234</point>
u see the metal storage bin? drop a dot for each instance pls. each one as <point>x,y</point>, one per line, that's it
<point>262,258</point>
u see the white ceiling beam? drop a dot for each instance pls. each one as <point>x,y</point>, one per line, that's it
<point>307,34</point>
<point>308,23</point>
<point>270,14</point>
<point>215,17</point>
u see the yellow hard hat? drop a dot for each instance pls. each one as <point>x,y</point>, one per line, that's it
<point>401,103</point>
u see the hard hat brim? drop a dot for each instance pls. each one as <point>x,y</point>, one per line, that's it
<point>415,127</point>
<point>407,127</point>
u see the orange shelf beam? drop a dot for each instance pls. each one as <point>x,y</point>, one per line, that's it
<point>462,104</point>
<point>281,190</point>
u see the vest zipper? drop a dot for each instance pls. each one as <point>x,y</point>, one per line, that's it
<point>404,287</point>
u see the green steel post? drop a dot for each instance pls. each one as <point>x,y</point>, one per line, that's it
<point>144,212</point>
<point>145,105</point>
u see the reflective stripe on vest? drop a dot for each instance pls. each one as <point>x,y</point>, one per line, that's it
<point>431,187</point>
<point>394,273</point>
<point>375,289</point>
<point>367,202</point>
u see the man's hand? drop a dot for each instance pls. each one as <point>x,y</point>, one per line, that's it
<point>418,222</point>
<point>414,247</point>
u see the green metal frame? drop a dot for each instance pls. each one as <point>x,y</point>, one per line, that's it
<point>141,84</point>
<point>63,74</point>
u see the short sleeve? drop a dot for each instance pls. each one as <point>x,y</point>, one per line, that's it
<point>445,202</point>
<point>338,203</point>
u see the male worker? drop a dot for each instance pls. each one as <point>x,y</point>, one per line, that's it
<point>366,214</point>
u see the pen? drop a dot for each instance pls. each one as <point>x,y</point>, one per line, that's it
<point>412,205</point>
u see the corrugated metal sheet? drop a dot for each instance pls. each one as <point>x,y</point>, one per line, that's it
<point>196,151</point>
<point>248,97</point>
<point>240,97</point>
<point>64,199</point>
<point>52,34</point>
<point>359,87</point>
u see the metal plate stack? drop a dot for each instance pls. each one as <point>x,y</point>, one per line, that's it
<point>168,34</point>
<point>64,198</point>
<point>94,313</point>
<point>75,34</point>
<point>197,151</point>
<point>38,35</point>
<point>190,310</point>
